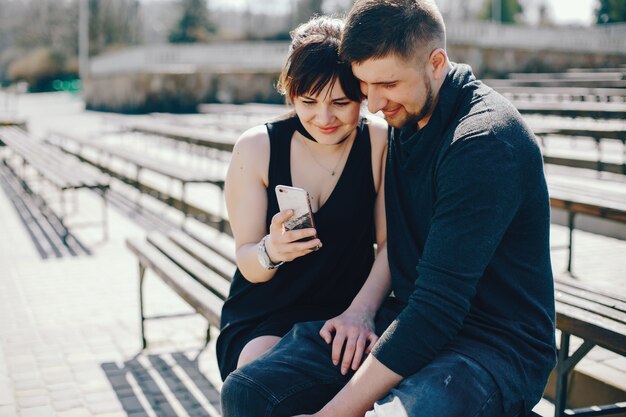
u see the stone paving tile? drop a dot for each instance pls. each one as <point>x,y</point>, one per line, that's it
<point>75,412</point>
<point>42,411</point>
<point>7,411</point>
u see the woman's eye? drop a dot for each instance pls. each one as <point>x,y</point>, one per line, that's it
<point>342,103</point>
<point>308,102</point>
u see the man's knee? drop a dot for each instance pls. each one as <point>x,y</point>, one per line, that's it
<point>241,398</point>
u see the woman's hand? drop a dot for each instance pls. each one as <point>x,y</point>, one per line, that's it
<point>355,329</point>
<point>282,245</point>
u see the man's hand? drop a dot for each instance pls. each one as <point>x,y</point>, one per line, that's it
<point>355,330</point>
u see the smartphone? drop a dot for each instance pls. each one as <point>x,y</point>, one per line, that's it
<point>296,199</point>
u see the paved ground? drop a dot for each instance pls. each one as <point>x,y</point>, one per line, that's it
<point>69,327</point>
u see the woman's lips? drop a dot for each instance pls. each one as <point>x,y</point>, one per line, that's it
<point>328,130</point>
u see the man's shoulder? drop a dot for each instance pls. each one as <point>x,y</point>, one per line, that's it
<point>487,114</point>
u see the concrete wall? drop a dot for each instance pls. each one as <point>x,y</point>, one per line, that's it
<point>176,92</point>
<point>493,62</point>
<point>175,78</point>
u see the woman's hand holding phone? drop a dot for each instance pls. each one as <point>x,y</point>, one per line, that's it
<point>283,245</point>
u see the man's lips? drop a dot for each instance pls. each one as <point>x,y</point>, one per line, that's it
<point>391,113</point>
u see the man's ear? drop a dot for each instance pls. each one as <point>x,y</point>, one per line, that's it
<point>438,62</point>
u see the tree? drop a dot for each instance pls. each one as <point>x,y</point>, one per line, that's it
<point>306,9</point>
<point>509,10</point>
<point>611,11</point>
<point>194,24</point>
<point>113,23</point>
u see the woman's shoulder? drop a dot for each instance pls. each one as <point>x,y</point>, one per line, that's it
<point>255,139</point>
<point>378,132</point>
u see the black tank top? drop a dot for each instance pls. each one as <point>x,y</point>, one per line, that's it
<point>322,283</point>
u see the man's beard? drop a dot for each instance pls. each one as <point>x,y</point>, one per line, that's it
<point>426,110</point>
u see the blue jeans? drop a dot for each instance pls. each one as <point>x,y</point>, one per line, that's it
<point>298,377</point>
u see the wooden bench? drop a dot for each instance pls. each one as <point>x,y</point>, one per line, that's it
<point>598,133</point>
<point>599,319</point>
<point>519,93</point>
<point>198,269</point>
<point>553,82</point>
<point>140,162</point>
<point>62,171</point>
<point>579,200</point>
<point>574,109</point>
<point>191,135</point>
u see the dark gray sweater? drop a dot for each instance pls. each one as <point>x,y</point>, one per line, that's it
<point>468,241</point>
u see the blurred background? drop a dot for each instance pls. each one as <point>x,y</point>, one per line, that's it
<point>201,48</point>
<point>117,123</point>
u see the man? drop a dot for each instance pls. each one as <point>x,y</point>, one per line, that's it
<point>470,331</point>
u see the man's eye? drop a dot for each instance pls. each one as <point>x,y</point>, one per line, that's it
<point>389,86</point>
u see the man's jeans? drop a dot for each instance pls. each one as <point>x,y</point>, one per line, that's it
<point>298,377</point>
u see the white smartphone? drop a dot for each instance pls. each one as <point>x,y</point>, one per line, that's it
<point>296,199</point>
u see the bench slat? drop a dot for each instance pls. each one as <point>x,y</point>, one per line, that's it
<point>203,254</point>
<point>219,243</point>
<point>591,296</point>
<point>591,306</point>
<point>571,282</point>
<point>208,278</point>
<point>590,326</point>
<point>195,294</point>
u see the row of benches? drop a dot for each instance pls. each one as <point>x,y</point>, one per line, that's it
<point>63,172</point>
<point>140,162</point>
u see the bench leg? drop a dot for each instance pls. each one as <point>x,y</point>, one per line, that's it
<point>142,272</point>
<point>183,201</point>
<point>564,366</point>
<point>208,335</point>
<point>571,241</point>
<point>105,217</point>
<point>560,396</point>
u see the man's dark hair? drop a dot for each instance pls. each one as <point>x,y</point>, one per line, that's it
<point>379,28</point>
<point>313,61</point>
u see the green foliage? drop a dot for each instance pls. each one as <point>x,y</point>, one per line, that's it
<point>611,11</point>
<point>38,68</point>
<point>510,10</point>
<point>194,24</point>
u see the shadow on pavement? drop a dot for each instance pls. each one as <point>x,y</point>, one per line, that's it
<point>165,385</point>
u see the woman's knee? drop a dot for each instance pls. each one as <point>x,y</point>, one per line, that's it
<point>256,348</point>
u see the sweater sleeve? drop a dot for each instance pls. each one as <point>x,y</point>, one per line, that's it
<point>478,191</point>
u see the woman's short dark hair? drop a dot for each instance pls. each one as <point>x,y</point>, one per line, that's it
<point>313,61</point>
<point>377,29</point>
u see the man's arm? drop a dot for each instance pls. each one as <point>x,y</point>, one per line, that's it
<point>371,382</point>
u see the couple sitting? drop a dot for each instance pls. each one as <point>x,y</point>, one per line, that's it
<point>454,314</point>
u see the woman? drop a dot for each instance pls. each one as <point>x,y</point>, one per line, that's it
<point>326,148</point>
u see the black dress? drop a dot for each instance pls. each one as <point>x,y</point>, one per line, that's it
<point>317,286</point>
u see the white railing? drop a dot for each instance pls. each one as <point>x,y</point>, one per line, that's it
<point>240,56</point>
<point>602,39</point>
<point>269,56</point>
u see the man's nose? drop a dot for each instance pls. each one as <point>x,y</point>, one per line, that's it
<point>375,100</point>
